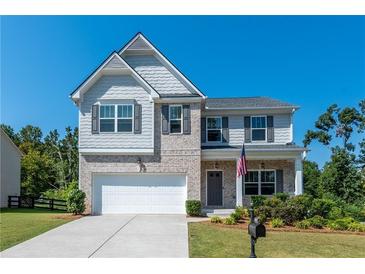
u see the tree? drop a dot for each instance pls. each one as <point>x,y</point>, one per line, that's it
<point>311,177</point>
<point>10,132</point>
<point>337,122</point>
<point>341,177</point>
<point>38,173</point>
<point>30,138</point>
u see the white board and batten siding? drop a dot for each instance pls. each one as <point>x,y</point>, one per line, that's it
<point>282,129</point>
<point>139,193</point>
<point>116,89</point>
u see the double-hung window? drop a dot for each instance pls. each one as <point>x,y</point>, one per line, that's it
<point>260,182</point>
<point>116,118</point>
<point>214,129</point>
<point>175,117</point>
<point>258,128</point>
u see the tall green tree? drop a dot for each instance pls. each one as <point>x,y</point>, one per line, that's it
<point>341,177</point>
<point>11,133</point>
<point>311,178</point>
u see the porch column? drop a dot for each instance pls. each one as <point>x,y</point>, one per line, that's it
<point>298,176</point>
<point>238,188</point>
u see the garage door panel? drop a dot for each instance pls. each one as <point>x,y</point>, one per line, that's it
<point>139,194</point>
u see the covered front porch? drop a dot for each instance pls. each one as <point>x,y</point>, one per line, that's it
<point>271,169</point>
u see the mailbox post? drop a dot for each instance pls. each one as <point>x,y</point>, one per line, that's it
<point>255,230</point>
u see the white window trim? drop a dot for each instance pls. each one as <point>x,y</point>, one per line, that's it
<point>259,182</point>
<point>259,141</point>
<point>116,119</point>
<point>206,130</point>
<point>181,119</point>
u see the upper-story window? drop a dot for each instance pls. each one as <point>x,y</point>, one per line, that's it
<point>175,116</point>
<point>116,118</point>
<point>214,129</point>
<point>258,128</point>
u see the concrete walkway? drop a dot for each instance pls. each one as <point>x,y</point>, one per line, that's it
<point>134,236</point>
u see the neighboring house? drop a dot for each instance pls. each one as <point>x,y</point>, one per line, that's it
<point>10,169</point>
<point>149,139</point>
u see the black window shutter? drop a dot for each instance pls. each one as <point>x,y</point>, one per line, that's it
<point>187,119</point>
<point>225,130</point>
<point>247,125</point>
<point>203,130</point>
<point>270,129</point>
<point>279,181</point>
<point>137,119</point>
<point>165,119</point>
<point>95,119</point>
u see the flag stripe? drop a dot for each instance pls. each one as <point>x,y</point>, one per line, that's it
<point>242,165</point>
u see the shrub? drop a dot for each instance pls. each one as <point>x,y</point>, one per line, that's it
<point>355,211</point>
<point>236,216</point>
<point>321,207</point>
<point>277,222</point>
<point>273,202</point>
<point>263,211</point>
<point>317,221</point>
<point>258,200</point>
<point>261,218</point>
<point>61,193</point>
<point>76,202</point>
<point>282,196</point>
<point>242,211</point>
<point>193,207</point>
<point>289,213</point>
<point>304,224</point>
<point>229,221</point>
<point>302,203</point>
<point>356,227</point>
<point>335,213</point>
<point>216,220</point>
<point>341,224</point>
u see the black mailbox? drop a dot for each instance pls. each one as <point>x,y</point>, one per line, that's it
<point>256,230</point>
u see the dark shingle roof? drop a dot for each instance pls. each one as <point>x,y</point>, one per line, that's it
<point>246,103</point>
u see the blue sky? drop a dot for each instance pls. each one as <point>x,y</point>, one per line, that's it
<point>307,60</point>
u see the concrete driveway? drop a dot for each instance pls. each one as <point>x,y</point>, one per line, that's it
<point>136,236</point>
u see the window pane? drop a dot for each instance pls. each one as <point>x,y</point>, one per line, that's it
<point>106,125</point>
<point>175,112</point>
<point>125,111</point>
<point>252,177</point>
<point>124,125</point>
<point>251,189</point>
<point>259,122</point>
<point>214,135</point>
<point>267,189</point>
<point>214,123</point>
<point>258,134</point>
<point>175,126</point>
<point>106,111</point>
<point>268,176</point>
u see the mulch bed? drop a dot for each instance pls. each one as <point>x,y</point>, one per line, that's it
<point>244,225</point>
<point>67,216</point>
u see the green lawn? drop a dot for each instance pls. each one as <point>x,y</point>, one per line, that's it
<point>211,241</point>
<point>18,225</point>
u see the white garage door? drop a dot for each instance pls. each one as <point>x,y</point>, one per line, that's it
<point>163,194</point>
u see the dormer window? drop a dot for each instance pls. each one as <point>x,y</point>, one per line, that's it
<point>258,128</point>
<point>116,118</point>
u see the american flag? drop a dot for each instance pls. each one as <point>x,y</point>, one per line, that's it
<point>242,166</point>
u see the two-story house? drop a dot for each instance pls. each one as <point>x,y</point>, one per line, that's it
<point>149,139</point>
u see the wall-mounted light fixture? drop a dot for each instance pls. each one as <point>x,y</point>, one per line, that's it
<point>142,167</point>
<point>262,165</point>
<point>216,165</point>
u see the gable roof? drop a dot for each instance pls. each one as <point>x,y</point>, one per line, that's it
<point>3,133</point>
<point>247,103</point>
<point>140,42</point>
<point>115,62</point>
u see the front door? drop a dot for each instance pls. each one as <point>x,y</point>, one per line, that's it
<point>215,188</point>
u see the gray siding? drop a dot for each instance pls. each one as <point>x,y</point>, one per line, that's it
<point>10,170</point>
<point>237,132</point>
<point>156,74</point>
<point>115,63</point>
<point>139,44</point>
<point>114,88</point>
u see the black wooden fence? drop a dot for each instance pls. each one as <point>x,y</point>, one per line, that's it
<point>30,202</point>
